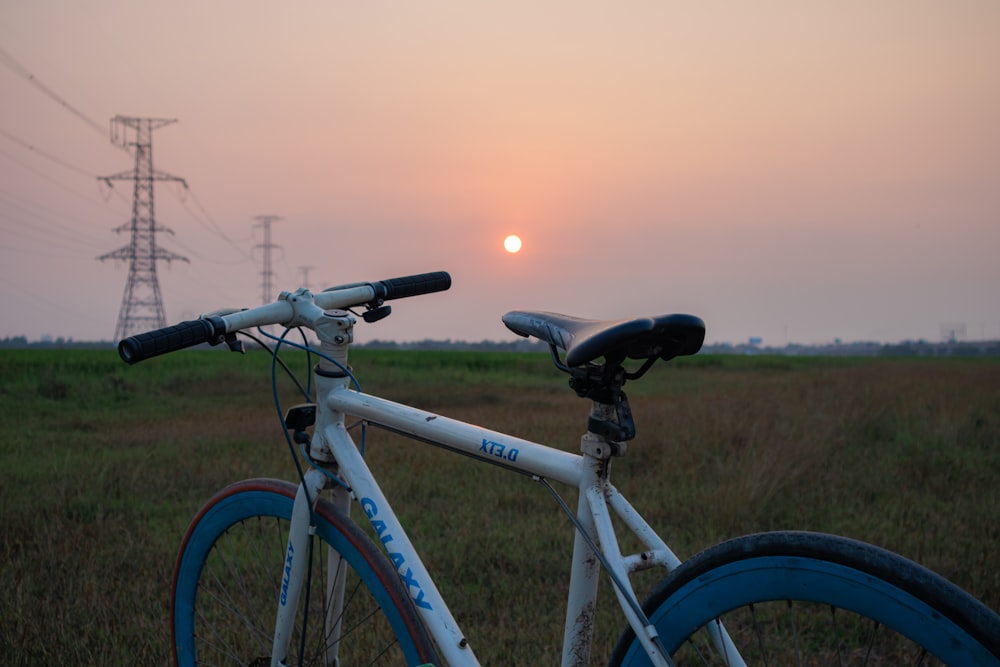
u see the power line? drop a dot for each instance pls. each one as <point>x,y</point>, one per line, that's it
<point>48,228</point>
<point>48,178</point>
<point>210,260</point>
<point>12,64</point>
<point>194,276</point>
<point>41,239</point>
<point>46,213</point>
<point>211,225</point>
<point>216,225</point>
<point>46,155</point>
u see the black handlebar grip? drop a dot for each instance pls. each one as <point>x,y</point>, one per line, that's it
<point>425,283</point>
<point>134,349</point>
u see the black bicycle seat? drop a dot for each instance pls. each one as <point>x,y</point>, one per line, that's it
<point>664,336</point>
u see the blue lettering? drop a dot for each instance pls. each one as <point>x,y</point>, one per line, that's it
<point>500,451</point>
<point>418,599</point>
<point>420,602</point>
<point>369,506</point>
<point>289,556</point>
<point>398,559</point>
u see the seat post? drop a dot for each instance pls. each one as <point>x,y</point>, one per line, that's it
<point>599,441</point>
<point>611,415</point>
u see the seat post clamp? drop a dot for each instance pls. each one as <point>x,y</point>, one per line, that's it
<point>600,447</point>
<point>614,421</point>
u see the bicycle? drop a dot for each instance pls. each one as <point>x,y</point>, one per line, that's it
<point>271,572</point>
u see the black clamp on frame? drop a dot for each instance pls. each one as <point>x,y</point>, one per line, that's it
<point>603,384</point>
<point>298,419</point>
<point>618,430</point>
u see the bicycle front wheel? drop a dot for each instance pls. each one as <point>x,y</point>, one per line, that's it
<point>228,580</point>
<point>813,599</point>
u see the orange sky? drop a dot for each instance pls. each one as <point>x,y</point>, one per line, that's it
<point>791,170</point>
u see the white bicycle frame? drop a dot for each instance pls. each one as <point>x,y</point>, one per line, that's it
<point>588,472</point>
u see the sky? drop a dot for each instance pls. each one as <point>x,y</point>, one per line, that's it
<point>801,172</point>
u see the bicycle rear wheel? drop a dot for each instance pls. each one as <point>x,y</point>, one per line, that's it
<point>229,576</point>
<point>813,599</point>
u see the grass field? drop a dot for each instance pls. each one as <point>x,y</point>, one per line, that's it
<point>103,466</point>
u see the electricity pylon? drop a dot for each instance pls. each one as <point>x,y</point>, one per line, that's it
<point>142,304</point>
<point>266,274</point>
<point>304,270</point>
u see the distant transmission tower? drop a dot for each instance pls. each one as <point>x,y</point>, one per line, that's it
<point>267,294</point>
<point>142,304</point>
<point>304,270</point>
<point>952,332</point>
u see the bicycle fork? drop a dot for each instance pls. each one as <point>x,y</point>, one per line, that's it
<point>297,557</point>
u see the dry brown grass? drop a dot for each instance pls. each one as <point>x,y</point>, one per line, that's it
<point>104,466</point>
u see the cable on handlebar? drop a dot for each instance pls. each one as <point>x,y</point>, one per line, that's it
<point>275,359</point>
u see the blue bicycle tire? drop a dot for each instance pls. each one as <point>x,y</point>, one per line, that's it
<point>887,603</point>
<point>216,585</point>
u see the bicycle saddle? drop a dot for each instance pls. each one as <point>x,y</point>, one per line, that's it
<point>664,336</point>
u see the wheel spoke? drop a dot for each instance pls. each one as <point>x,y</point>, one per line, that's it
<point>871,640</point>
<point>836,636</point>
<point>759,634</point>
<point>795,634</point>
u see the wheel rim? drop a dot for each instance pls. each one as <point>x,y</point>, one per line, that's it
<point>791,610</point>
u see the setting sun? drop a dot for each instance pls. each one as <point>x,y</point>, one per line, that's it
<point>512,243</point>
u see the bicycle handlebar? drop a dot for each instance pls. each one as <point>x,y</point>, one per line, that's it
<point>213,329</point>
<point>400,288</point>
<point>170,339</point>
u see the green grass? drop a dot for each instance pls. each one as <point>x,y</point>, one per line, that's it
<point>103,466</point>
